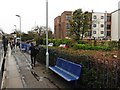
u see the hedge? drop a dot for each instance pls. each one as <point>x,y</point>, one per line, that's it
<point>95,74</point>
<point>89,47</point>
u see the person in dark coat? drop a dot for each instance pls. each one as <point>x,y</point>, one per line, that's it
<point>32,54</point>
<point>18,44</point>
<point>5,44</point>
<point>34,51</point>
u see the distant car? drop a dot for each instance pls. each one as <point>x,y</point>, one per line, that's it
<point>50,44</point>
<point>63,45</point>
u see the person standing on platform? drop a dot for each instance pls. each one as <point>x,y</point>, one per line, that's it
<point>32,54</point>
<point>36,53</point>
<point>5,44</point>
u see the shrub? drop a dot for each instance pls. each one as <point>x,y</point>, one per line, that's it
<point>95,74</point>
<point>113,44</point>
<point>88,47</point>
<point>82,42</point>
<point>39,41</point>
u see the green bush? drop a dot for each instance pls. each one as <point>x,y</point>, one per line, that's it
<point>82,42</point>
<point>88,47</point>
<point>113,44</point>
<point>39,41</point>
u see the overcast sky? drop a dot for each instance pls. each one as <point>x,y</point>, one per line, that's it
<point>33,12</point>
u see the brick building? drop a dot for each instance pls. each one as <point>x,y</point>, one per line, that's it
<point>61,25</point>
<point>57,27</point>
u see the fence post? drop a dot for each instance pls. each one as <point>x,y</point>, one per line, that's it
<point>89,67</point>
<point>116,81</point>
<point>107,73</point>
<point>104,73</point>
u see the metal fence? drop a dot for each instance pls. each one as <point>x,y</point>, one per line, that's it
<point>103,73</point>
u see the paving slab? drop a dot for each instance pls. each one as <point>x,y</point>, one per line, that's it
<point>13,77</point>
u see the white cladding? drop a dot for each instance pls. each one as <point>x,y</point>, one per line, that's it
<point>119,5</point>
<point>115,25</point>
<point>98,24</point>
<point>118,24</point>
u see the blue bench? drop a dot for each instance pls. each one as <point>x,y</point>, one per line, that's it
<point>66,69</point>
<point>27,48</point>
<point>23,47</point>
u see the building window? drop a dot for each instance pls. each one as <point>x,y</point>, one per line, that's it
<point>90,26</point>
<point>94,17</point>
<point>102,32</point>
<point>108,33</point>
<point>67,26</point>
<point>67,17</point>
<point>94,25</point>
<point>102,25</point>
<point>94,32</point>
<point>102,17</point>
<point>108,18</point>
<point>89,33</point>
<point>108,26</point>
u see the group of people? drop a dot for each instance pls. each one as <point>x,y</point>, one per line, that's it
<point>33,48</point>
<point>14,44</point>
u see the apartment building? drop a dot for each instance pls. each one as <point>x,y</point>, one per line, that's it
<point>98,25</point>
<point>101,25</point>
<point>61,25</point>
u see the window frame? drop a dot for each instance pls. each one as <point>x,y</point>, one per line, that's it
<point>94,17</point>
<point>94,32</point>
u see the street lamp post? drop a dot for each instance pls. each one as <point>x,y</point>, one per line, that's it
<point>47,54</point>
<point>20,27</point>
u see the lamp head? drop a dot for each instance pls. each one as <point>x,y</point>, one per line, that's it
<point>18,15</point>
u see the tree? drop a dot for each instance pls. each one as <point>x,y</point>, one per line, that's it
<point>39,33</point>
<point>86,23</point>
<point>26,37</point>
<point>32,34</point>
<point>79,23</point>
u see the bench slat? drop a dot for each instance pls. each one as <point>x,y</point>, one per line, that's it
<point>63,74</point>
<point>69,66</point>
